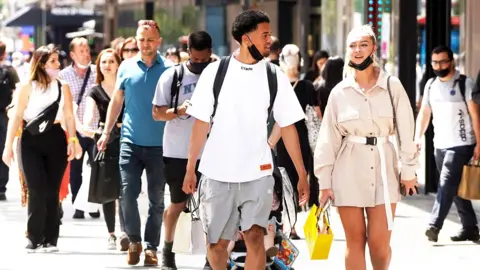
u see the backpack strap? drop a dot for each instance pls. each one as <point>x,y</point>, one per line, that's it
<point>218,82</point>
<point>461,84</point>
<point>272,85</point>
<point>175,87</point>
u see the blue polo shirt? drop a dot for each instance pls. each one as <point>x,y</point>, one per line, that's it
<point>138,83</point>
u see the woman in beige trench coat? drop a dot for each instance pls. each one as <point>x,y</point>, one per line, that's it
<point>354,160</point>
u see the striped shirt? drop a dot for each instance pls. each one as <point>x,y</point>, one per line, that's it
<point>75,82</point>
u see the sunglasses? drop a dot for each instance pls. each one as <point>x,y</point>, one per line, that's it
<point>131,50</point>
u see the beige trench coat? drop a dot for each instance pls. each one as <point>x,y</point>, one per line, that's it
<point>352,170</point>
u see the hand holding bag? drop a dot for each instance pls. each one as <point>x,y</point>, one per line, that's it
<point>319,237</point>
<point>192,243</point>
<point>469,188</point>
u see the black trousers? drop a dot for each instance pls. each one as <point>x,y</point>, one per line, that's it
<point>3,167</point>
<point>43,160</point>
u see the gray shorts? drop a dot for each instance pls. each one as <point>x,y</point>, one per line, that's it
<point>226,206</point>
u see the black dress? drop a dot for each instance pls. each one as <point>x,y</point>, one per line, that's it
<point>306,95</point>
<point>102,100</point>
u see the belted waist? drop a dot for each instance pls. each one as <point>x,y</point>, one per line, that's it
<point>379,142</point>
<point>367,140</point>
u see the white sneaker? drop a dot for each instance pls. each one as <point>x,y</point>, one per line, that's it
<point>50,248</point>
<point>112,243</point>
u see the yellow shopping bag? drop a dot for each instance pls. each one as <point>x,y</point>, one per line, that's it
<point>319,237</point>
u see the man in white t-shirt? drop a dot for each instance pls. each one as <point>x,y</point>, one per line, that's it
<point>237,183</point>
<point>176,136</point>
<point>448,97</point>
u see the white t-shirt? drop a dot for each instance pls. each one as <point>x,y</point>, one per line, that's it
<point>237,150</point>
<point>451,120</point>
<point>176,136</point>
<point>40,99</point>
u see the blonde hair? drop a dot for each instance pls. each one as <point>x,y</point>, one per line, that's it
<point>364,30</point>
<point>290,58</point>
<point>77,42</point>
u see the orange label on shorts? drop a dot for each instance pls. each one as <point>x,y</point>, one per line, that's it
<point>265,167</point>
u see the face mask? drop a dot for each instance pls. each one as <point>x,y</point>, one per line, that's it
<point>362,66</point>
<point>442,73</point>
<point>254,52</point>
<point>197,68</point>
<point>80,66</point>
<point>53,72</point>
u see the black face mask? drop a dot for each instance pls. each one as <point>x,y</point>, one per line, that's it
<point>442,73</point>
<point>362,66</point>
<point>197,68</point>
<point>254,52</point>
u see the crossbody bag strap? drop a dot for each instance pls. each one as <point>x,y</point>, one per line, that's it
<point>59,91</point>
<point>84,85</point>
<point>395,126</point>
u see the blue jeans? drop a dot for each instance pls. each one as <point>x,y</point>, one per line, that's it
<point>450,164</point>
<point>133,160</point>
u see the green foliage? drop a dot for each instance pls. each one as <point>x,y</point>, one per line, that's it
<point>172,28</point>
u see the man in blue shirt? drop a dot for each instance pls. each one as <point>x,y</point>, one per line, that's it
<point>141,141</point>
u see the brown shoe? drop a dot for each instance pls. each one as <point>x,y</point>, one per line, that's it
<point>151,258</point>
<point>134,251</point>
<point>124,243</point>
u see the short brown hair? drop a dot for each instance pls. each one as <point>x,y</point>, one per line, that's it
<point>149,24</point>
<point>3,49</point>
<point>37,70</point>
<point>76,42</point>
<point>100,76</point>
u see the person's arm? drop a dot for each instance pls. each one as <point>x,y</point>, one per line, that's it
<point>407,151</point>
<point>161,110</point>
<point>424,114</point>
<point>68,115</point>
<point>292,144</point>
<point>21,101</point>
<point>89,116</point>
<point>198,138</point>
<point>328,144</point>
<point>275,136</point>
<point>114,109</point>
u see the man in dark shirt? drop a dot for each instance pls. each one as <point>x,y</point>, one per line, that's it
<point>8,81</point>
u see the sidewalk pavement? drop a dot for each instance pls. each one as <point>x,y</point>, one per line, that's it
<point>83,243</point>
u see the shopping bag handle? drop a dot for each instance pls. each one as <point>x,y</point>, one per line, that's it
<point>325,211</point>
<point>474,163</point>
<point>100,156</point>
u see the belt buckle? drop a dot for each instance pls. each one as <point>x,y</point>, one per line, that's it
<point>371,141</point>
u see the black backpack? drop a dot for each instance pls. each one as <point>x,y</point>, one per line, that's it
<point>5,88</point>
<point>220,76</point>
<point>175,88</point>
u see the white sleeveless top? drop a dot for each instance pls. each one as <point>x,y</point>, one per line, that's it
<point>40,99</point>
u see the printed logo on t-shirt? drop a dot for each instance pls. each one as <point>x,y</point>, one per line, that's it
<point>461,122</point>
<point>188,88</point>
<point>246,68</point>
<point>265,167</point>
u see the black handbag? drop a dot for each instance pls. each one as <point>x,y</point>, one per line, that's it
<point>104,179</point>
<point>45,120</point>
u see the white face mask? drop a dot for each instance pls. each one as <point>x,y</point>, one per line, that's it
<point>80,66</point>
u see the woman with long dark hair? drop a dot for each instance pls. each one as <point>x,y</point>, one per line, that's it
<point>43,148</point>
<point>332,74</point>
<point>318,61</point>
<point>98,98</point>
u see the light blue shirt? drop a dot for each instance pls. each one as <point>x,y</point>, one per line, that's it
<point>138,83</point>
